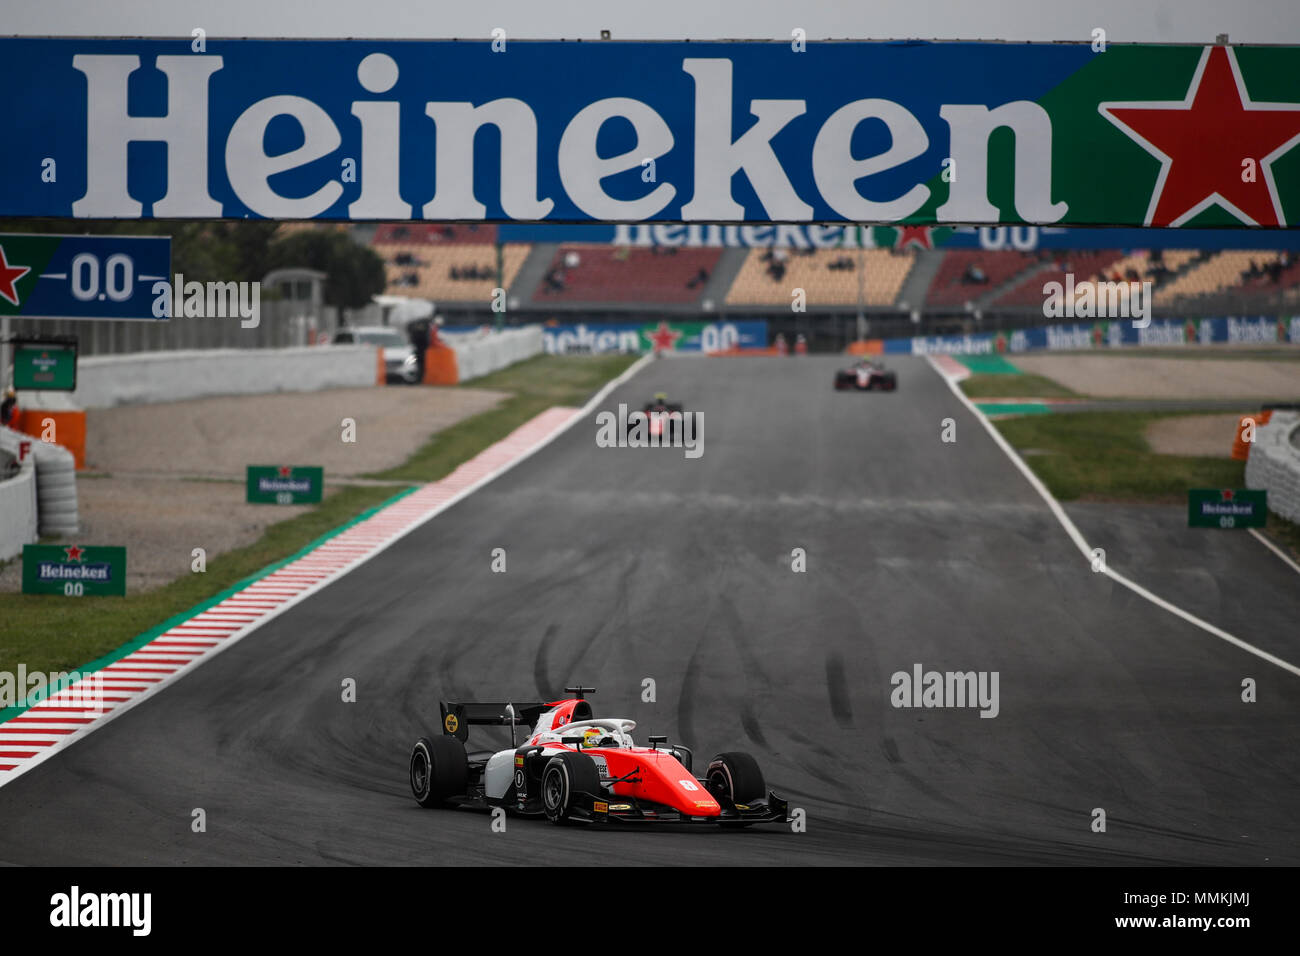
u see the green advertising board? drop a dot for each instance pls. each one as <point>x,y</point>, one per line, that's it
<point>74,571</point>
<point>1226,508</point>
<point>45,366</point>
<point>284,484</point>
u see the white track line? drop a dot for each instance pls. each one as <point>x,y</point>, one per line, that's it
<point>1263,539</point>
<point>378,532</point>
<point>1082,544</point>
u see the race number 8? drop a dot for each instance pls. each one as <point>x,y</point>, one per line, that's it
<point>119,277</point>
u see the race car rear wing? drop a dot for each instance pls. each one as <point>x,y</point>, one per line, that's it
<point>457,717</point>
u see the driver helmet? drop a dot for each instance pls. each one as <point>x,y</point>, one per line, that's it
<point>661,398</point>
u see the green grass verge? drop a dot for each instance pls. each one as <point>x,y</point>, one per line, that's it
<point>1105,455</point>
<point>59,634</point>
<point>537,384</point>
<point>1014,386</point>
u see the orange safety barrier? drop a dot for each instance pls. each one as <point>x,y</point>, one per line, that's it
<point>1241,447</point>
<point>381,373</point>
<point>440,366</point>
<point>728,353</point>
<point>69,429</point>
<point>866,347</point>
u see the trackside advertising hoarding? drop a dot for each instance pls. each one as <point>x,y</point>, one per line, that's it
<point>83,277</point>
<point>1259,330</point>
<point>664,336</point>
<point>820,236</point>
<point>508,130</point>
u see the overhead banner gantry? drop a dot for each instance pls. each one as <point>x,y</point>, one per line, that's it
<point>503,130</point>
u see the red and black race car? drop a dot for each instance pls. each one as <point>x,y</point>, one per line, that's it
<point>575,768</point>
<point>867,375</point>
<point>663,418</point>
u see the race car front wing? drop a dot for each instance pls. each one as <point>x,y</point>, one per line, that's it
<point>617,809</point>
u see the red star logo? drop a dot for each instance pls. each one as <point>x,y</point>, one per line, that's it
<point>73,552</point>
<point>664,338</point>
<point>921,235</point>
<point>285,471</point>
<point>1226,494</point>
<point>9,275</point>
<point>1203,140</point>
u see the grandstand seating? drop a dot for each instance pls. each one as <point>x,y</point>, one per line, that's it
<point>434,233</point>
<point>627,274</point>
<point>948,288</point>
<point>1144,262</point>
<point>1216,274</point>
<point>424,269</point>
<point>1287,278</point>
<point>810,270</point>
<point>1084,265</point>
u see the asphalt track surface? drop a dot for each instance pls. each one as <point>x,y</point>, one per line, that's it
<point>626,564</point>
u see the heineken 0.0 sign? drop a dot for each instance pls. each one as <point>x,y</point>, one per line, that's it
<point>1226,508</point>
<point>45,366</point>
<point>73,571</point>
<point>284,484</point>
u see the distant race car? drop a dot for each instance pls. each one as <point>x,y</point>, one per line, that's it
<point>575,768</point>
<point>661,418</point>
<point>866,376</point>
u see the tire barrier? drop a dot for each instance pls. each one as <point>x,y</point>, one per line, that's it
<point>1274,463</point>
<point>18,512</point>
<point>56,489</point>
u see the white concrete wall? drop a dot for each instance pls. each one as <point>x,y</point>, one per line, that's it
<point>18,515</point>
<point>1274,464</point>
<point>145,377</point>
<point>478,353</point>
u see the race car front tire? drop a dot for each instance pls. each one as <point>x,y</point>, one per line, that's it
<point>439,770</point>
<point>735,777</point>
<point>565,776</point>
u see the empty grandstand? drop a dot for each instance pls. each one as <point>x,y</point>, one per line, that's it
<point>601,274</point>
<point>829,277</point>
<point>446,263</point>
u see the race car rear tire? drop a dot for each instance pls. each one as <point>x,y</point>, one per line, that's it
<point>735,777</point>
<point>565,776</point>
<point>439,770</point>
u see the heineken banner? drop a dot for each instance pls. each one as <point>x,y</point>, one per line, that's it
<point>661,336</point>
<point>73,571</point>
<point>891,132</point>
<point>284,485</point>
<point>1226,508</point>
<point>990,238</point>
